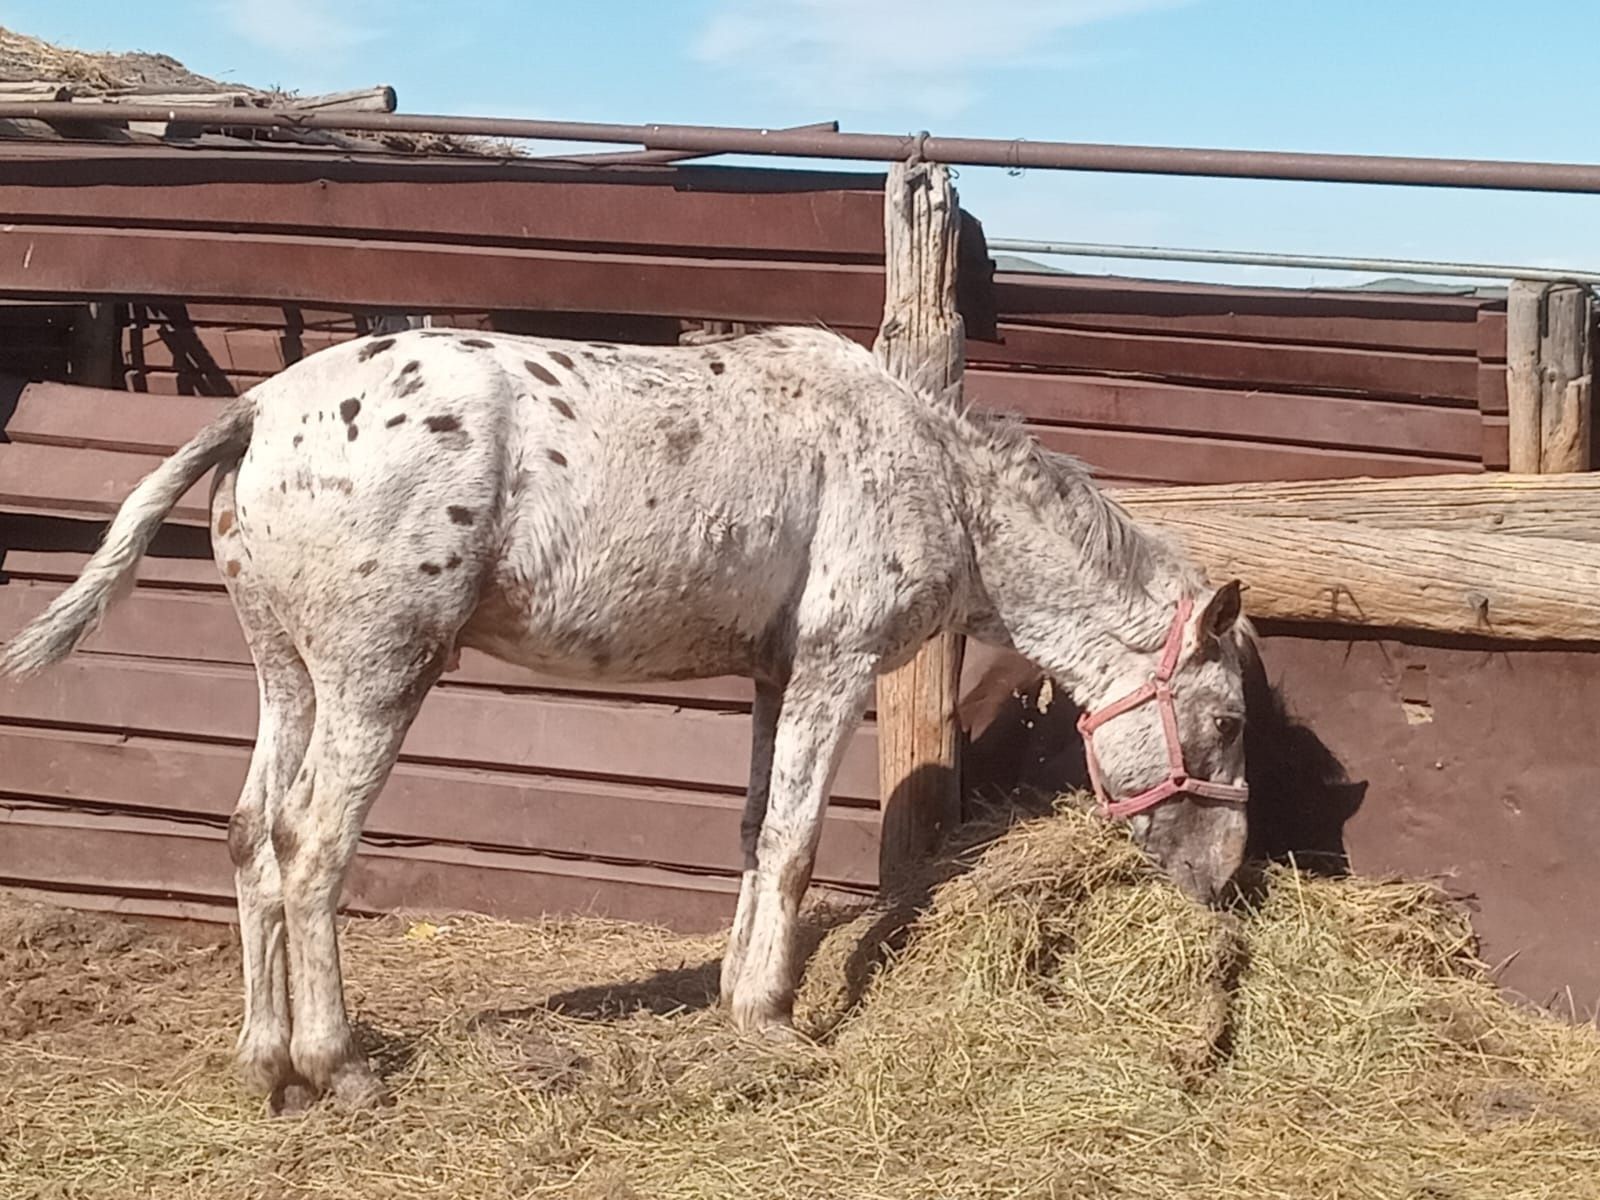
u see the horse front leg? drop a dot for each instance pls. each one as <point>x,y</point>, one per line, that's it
<point>763,734</point>
<point>821,704</point>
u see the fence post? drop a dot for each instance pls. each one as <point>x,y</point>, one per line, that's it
<point>1549,366</point>
<point>94,354</point>
<point>921,340</point>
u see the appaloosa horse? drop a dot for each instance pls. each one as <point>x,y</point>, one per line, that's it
<point>776,506</point>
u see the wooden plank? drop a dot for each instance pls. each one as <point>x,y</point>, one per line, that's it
<point>84,482</point>
<point>1524,389</point>
<point>191,383</point>
<point>160,908</point>
<point>180,315</point>
<point>1174,458</point>
<point>1323,318</point>
<point>201,627</point>
<point>1496,444</point>
<point>508,203</point>
<point>921,341</point>
<point>93,358</point>
<point>1552,506</point>
<point>424,276</point>
<point>1206,360</point>
<point>564,735</point>
<point>1492,335</point>
<point>59,414</point>
<point>670,827</point>
<point>66,565</point>
<point>93,483</point>
<point>141,856</point>
<point>230,351</point>
<point>1492,396</point>
<point>1442,581</point>
<point>1566,360</point>
<point>1338,423</point>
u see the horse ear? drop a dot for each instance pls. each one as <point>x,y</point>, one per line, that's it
<point>1222,611</point>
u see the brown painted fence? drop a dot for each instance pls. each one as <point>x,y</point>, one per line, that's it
<point>521,795</point>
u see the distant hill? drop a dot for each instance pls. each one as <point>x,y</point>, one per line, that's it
<point>1391,283</point>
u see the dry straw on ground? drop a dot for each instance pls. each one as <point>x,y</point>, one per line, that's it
<point>1059,1023</point>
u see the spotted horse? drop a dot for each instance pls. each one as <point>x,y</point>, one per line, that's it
<point>776,506</point>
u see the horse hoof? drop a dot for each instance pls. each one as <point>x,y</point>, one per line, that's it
<point>779,1033</point>
<point>355,1087</point>
<point>291,1098</point>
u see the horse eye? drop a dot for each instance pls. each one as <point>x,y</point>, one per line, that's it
<point>1228,727</point>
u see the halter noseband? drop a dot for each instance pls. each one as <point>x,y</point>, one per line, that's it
<point>1160,690</point>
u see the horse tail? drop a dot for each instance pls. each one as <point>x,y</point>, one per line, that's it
<point>77,612</point>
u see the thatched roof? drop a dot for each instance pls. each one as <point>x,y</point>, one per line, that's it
<point>36,70</point>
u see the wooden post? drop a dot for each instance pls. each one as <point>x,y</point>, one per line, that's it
<point>95,350</point>
<point>1549,366</point>
<point>922,341</point>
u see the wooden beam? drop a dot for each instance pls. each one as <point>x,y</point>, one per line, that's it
<point>921,340</point>
<point>1551,506</point>
<point>1441,581</point>
<point>94,359</point>
<point>1549,365</point>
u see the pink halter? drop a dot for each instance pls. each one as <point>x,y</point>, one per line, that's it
<point>1160,690</point>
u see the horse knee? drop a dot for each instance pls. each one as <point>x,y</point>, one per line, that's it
<point>285,840</point>
<point>244,836</point>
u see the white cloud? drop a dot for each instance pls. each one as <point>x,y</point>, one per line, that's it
<point>923,54</point>
<point>308,28</point>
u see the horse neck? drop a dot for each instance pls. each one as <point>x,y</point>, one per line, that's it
<point>1068,581</point>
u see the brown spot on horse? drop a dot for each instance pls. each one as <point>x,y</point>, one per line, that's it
<point>372,349</point>
<point>541,373</point>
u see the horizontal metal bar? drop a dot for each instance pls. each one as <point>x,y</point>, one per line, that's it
<point>1313,261</point>
<point>983,152</point>
<point>636,158</point>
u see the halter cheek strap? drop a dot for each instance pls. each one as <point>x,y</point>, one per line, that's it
<point>1177,779</point>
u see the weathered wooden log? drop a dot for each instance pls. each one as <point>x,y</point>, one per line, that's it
<point>1549,364</point>
<point>373,99</point>
<point>922,340</point>
<point>1561,506</point>
<point>1439,580</point>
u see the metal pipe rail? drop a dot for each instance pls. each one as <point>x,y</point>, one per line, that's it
<point>985,152</point>
<point>1312,261</point>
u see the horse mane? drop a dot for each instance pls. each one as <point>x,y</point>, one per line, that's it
<point>1113,543</point>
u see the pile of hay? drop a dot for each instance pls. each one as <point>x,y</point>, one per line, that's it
<point>1058,1023</point>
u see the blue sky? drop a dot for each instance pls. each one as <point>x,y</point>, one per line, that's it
<point>1470,78</point>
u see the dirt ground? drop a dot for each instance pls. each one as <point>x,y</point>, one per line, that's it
<point>1058,1022</point>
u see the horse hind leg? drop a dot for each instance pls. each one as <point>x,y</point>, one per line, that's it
<point>365,705</point>
<point>287,710</point>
